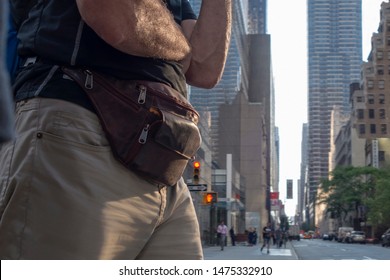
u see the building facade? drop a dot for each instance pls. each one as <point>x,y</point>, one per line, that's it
<point>334,59</point>
<point>371,101</point>
<point>370,98</point>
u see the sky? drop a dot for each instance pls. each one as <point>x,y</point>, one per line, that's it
<point>290,78</point>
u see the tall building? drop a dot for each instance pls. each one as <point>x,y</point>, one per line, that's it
<point>370,99</point>
<point>247,132</point>
<point>334,59</point>
<point>257,15</point>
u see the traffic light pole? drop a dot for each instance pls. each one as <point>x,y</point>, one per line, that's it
<point>212,224</point>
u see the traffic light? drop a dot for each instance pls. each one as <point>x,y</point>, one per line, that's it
<point>196,175</point>
<point>210,198</point>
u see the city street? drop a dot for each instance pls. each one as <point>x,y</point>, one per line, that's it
<point>306,249</point>
<point>318,249</point>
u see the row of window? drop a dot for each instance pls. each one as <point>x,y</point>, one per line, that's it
<point>371,84</point>
<point>371,99</point>
<point>371,114</point>
<point>380,70</point>
<point>373,129</point>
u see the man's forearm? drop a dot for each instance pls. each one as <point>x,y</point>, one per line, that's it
<point>210,41</point>
<point>137,27</point>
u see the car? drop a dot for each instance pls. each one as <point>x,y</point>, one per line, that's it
<point>385,239</point>
<point>328,236</point>
<point>332,235</point>
<point>356,236</point>
<point>325,236</point>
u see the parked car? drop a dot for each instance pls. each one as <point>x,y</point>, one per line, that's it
<point>356,237</point>
<point>385,239</point>
<point>332,235</point>
<point>325,236</point>
<point>328,236</point>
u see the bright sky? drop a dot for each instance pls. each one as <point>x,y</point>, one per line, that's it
<point>288,29</point>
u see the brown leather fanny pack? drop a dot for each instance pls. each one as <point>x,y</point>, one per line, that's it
<point>152,128</point>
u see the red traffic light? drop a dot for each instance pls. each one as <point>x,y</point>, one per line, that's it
<point>196,175</point>
<point>210,197</point>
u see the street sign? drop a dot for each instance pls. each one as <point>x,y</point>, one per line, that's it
<point>197,187</point>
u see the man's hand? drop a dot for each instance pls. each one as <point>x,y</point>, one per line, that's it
<point>137,27</point>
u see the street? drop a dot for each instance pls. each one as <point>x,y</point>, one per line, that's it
<point>318,249</point>
<point>305,249</point>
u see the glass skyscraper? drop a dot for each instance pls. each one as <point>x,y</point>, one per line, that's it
<point>334,59</point>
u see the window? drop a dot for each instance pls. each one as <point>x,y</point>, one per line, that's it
<point>362,129</point>
<point>381,84</point>
<point>381,155</point>
<point>371,114</point>
<point>370,84</point>
<point>379,55</point>
<point>384,128</point>
<point>388,40</point>
<point>382,114</point>
<point>380,70</point>
<point>372,128</point>
<point>381,98</point>
<point>370,70</point>
<point>360,114</point>
<point>359,99</point>
<point>371,99</point>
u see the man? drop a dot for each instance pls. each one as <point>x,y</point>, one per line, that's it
<point>267,231</point>
<point>63,194</point>
<point>232,236</point>
<point>222,231</point>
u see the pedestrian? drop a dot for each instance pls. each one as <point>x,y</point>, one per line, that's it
<point>267,231</point>
<point>278,237</point>
<point>232,236</point>
<point>254,236</point>
<point>250,236</point>
<point>284,238</point>
<point>66,190</point>
<point>222,231</point>
<point>6,112</point>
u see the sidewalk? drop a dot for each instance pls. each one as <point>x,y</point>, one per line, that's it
<point>242,252</point>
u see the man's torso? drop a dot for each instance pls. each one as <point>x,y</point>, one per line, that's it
<point>55,33</point>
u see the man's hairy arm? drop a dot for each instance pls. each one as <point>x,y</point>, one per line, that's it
<point>137,27</point>
<point>209,42</point>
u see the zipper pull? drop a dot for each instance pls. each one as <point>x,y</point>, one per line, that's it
<point>142,94</point>
<point>144,134</point>
<point>88,80</point>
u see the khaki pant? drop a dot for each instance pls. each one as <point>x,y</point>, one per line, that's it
<point>64,196</point>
